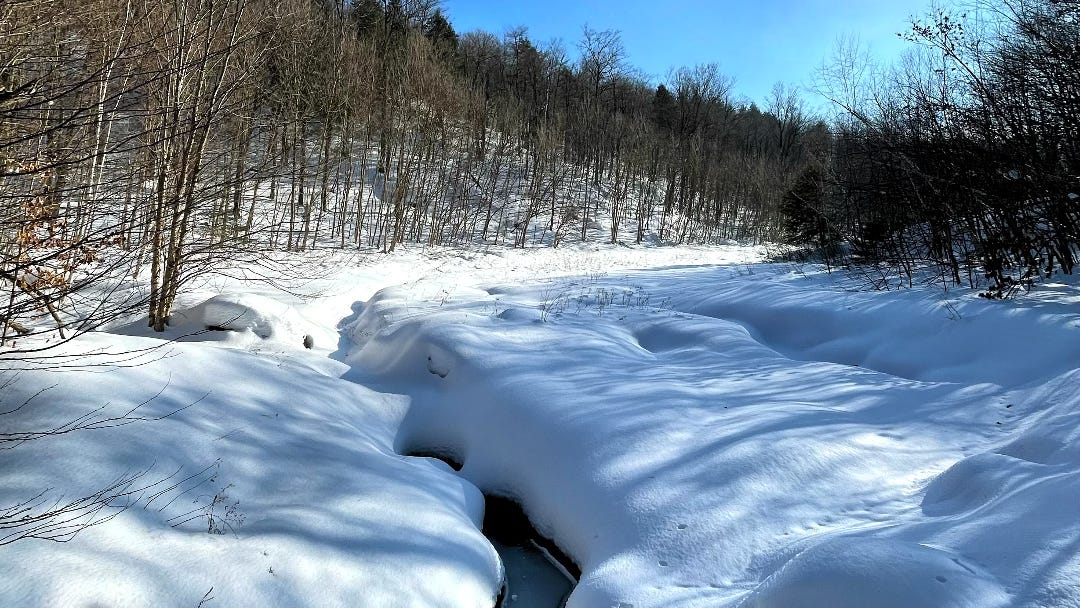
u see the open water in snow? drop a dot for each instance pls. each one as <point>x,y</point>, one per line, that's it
<point>535,577</point>
<point>538,575</point>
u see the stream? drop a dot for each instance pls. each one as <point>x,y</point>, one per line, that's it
<point>538,574</point>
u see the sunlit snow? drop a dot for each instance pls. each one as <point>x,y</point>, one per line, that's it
<point>692,426</point>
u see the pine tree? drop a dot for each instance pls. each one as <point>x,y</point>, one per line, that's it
<point>440,32</point>
<point>663,108</point>
<point>805,221</point>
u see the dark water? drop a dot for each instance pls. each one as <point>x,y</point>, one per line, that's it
<point>538,575</point>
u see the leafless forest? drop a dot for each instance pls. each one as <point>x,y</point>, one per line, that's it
<point>168,137</point>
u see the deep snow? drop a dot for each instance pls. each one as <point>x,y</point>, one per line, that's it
<point>691,426</point>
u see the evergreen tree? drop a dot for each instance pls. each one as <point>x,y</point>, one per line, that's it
<point>805,221</point>
<point>368,15</point>
<point>440,32</point>
<point>663,109</point>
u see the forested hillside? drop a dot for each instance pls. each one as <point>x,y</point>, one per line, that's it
<point>174,136</point>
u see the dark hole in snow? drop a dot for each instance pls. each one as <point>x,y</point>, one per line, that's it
<point>940,579</point>
<point>505,522</point>
<point>218,328</point>
<point>309,342</point>
<point>538,573</point>
<point>438,370</point>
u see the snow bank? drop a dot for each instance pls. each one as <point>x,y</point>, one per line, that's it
<point>916,334</point>
<point>243,320</point>
<point>256,315</point>
<point>327,514</point>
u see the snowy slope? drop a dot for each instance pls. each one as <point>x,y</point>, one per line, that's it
<point>700,431</point>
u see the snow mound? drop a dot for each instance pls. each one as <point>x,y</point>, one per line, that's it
<point>519,313</point>
<point>1054,436</point>
<point>372,317</point>
<point>389,335</point>
<point>876,573</point>
<point>252,313</point>
<point>973,482</point>
<point>255,315</point>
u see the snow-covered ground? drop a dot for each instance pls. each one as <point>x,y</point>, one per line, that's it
<point>692,426</point>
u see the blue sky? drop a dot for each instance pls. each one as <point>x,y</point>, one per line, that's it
<point>758,42</point>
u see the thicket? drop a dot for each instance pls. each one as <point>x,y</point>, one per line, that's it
<point>966,156</point>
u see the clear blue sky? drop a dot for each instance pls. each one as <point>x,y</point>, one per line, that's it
<point>758,42</point>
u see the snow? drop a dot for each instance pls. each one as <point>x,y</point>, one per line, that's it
<point>694,427</point>
<point>844,572</point>
<point>307,455</point>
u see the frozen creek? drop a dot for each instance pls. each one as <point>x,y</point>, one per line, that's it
<point>535,577</point>
<point>536,573</point>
